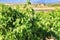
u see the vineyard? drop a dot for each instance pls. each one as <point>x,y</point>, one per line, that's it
<point>26,24</point>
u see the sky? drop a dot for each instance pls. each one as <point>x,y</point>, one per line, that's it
<point>32,1</point>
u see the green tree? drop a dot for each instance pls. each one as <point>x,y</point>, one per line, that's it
<point>28,2</point>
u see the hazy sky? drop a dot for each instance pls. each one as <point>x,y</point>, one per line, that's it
<point>32,1</point>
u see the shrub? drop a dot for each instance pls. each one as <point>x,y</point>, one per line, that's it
<point>28,25</point>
